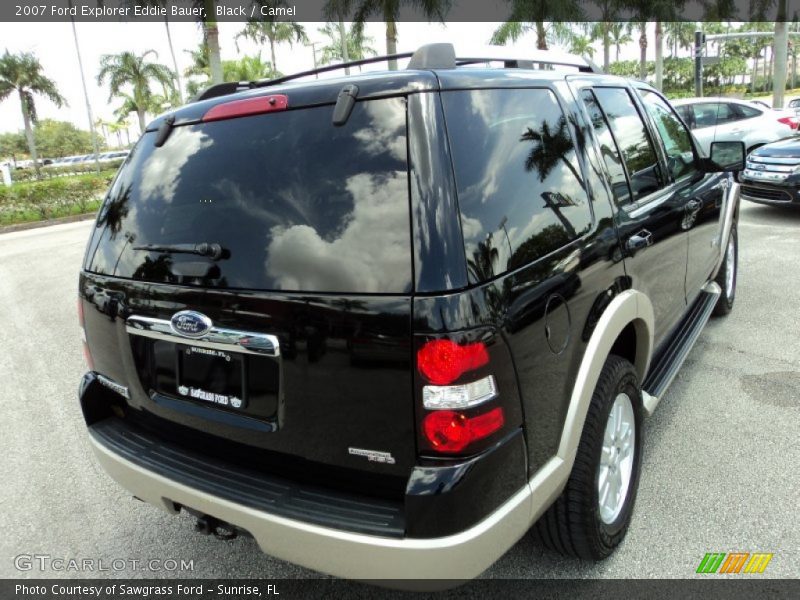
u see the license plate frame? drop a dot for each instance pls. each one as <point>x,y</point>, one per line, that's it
<point>211,376</point>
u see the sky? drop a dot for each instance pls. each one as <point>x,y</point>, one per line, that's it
<point>54,45</point>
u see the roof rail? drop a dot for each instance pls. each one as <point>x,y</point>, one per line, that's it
<point>444,56</point>
<point>429,56</point>
<point>223,89</point>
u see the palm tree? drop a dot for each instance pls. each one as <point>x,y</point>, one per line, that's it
<point>127,70</point>
<point>387,11</point>
<point>642,50</point>
<point>208,24</point>
<point>530,15</point>
<point>680,36</point>
<point>511,31</point>
<point>274,32</point>
<point>103,126</point>
<point>358,45</point>
<point>200,62</point>
<point>582,46</point>
<point>198,68</point>
<point>642,11</point>
<point>211,39</point>
<point>247,68</point>
<point>23,73</point>
<point>546,34</point>
<point>116,127</point>
<point>601,30</point>
<point>620,35</point>
<point>165,4</point>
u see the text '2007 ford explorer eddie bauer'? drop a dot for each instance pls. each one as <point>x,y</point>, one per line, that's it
<point>386,324</point>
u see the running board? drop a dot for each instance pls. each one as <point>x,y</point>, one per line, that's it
<point>669,361</point>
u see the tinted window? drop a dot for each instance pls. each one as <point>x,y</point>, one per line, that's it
<point>608,149</point>
<point>676,139</point>
<point>748,112</point>
<point>520,188</point>
<point>706,114</point>
<point>687,115</point>
<point>297,203</point>
<point>632,139</point>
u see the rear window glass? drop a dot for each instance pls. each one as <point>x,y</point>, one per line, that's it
<point>520,188</point>
<point>711,113</point>
<point>748,112</point>
<point>296,203</point>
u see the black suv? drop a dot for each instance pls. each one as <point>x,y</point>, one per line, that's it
<point>386,324</point>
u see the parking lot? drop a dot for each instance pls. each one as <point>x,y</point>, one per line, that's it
<point>721,459</point>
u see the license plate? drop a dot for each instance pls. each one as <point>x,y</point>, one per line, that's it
<point>764,175</point>
<point>212,376</point>
<point>219,379</point>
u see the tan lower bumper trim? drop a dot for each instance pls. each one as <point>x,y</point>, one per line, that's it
<point>356,556</point>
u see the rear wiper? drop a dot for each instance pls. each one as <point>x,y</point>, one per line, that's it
<point>213,251</point>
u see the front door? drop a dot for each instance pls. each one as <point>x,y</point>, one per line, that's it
<point>701,194</point>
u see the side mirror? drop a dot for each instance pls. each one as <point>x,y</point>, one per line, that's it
<point>725,157</point>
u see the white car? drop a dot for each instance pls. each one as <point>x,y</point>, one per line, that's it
<point>731,120</point>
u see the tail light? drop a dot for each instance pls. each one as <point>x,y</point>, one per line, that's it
<point>792,122</point>
<point>443,361</point>
<point>461,407</point>
<point>450,431</point>
<point>87,355</point>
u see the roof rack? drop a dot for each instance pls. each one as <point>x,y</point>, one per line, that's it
<point>223,89</point>
<point>427,57</point>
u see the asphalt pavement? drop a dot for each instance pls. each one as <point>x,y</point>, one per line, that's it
<point>720,470</point>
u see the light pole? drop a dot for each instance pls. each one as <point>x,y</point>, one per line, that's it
<point>699,44</point>
<point>313,46</point>
<point>86,96</point>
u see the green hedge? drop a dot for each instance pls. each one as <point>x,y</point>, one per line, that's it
<point>48,172</point>
<point>51,198</point>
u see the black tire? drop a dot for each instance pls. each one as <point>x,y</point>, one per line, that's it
<point>573,525</point>
<point>726,299</point>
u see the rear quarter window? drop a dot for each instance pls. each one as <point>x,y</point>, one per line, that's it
<point>297,203</point>
<point>748,112</point>
<point>521,192</point>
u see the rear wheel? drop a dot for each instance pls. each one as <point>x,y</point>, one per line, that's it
<point>726,278</point>
<point>592,515</point>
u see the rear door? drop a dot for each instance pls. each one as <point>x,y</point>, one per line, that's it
<point>649,215</point>
<point>307,288</point>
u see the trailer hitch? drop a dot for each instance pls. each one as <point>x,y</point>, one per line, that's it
<point>221,530</point>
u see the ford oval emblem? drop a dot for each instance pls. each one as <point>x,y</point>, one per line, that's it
<point>190,323</point>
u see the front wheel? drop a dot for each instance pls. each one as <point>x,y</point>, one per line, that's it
<point>726,278</point>
<point>592,515</point>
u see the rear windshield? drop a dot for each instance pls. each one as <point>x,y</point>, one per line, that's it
<point>296,203</point>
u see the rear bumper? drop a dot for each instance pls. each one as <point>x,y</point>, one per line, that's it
<point>453,523</point>
<point>341,553</point>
